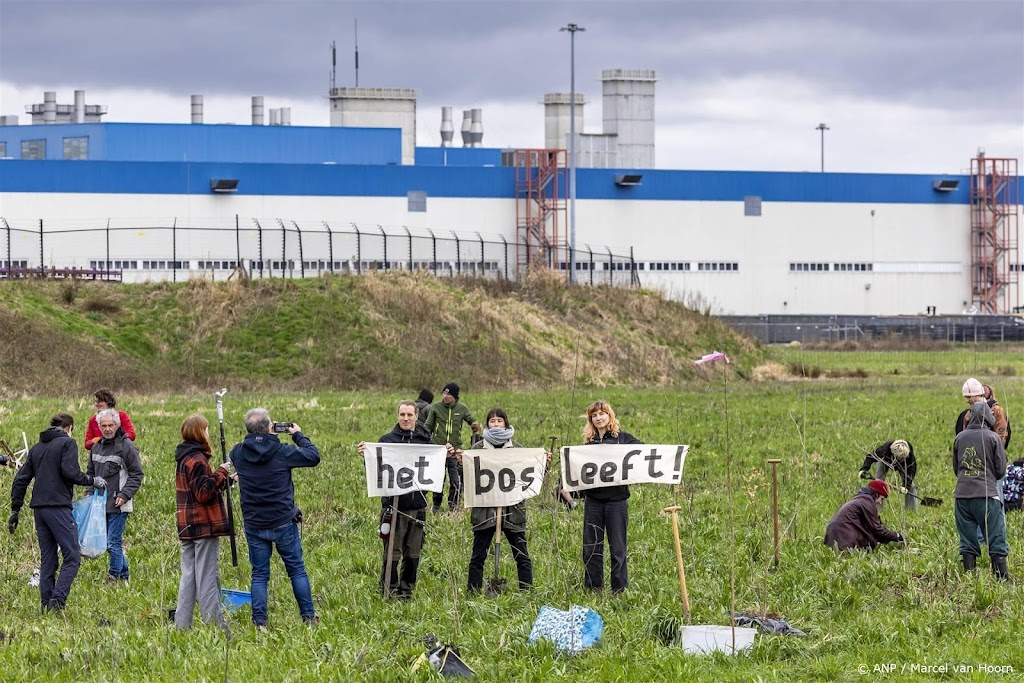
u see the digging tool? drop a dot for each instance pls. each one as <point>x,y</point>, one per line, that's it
<point>674,511</point>
<point>224,458</point>
<point>927,501</point>
<point>547,470</point>
<point>774,462</point>
<point>496,584</point>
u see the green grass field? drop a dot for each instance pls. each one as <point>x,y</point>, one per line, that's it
<point>907,608</point>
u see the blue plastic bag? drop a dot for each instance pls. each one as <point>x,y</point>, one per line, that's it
<point>92,523</point>
<point>573,631</point>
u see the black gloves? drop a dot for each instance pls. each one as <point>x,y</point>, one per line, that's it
<point>865,474</point>
<point>99,482</point>
<point>900,539</point>
<point>297,517</point>
<point>12,522</point>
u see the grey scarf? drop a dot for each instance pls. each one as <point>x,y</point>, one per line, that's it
<point>499,437</point>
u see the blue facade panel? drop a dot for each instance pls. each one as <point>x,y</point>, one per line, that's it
<point>458,156</point>
<point>217,142</point>
<point>54,136</point>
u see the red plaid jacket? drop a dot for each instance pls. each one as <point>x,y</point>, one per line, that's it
<point>201,511</point>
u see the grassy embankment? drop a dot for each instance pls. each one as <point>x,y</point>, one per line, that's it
<point>374,332</point>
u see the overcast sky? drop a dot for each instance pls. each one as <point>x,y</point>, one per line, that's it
<point>904,85</point>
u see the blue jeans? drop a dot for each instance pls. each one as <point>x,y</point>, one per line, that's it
<point>289,546</point>
<point>118,567</point>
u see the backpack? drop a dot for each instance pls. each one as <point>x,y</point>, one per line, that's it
<point>1013,488</point>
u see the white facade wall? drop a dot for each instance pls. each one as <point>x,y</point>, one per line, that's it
<point>918,253</point>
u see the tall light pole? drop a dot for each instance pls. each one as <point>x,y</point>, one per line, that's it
<point>822,127</point>
<point>573,29</point>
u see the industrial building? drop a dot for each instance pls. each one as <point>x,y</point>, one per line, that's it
<point>163,201</point>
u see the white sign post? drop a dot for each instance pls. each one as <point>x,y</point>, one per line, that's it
<point>393,469</point>
<point>502,477</point>
<point>590,467</point>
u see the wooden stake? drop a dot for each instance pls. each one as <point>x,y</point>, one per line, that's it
<point>674,511</point>
<point>390,549</point>
<point>774,462</point>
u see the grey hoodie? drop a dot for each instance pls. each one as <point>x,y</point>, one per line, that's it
<point>978,456</point>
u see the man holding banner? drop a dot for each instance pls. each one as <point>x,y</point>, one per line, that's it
<point>603,470</point>
<point>400,469</point>
<point>502,480</point>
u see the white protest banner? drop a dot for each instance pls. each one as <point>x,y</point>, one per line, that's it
<point>590,467</point>
<point>500,477</point>
<point>396,468</point>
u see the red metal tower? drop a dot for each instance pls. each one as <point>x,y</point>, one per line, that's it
<point>541,185</point>
<point>995,225</point>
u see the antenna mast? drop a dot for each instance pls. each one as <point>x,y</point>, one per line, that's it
<point>357,51</point>
<point>334,64</point>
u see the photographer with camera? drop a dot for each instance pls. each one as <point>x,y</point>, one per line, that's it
<point>269,515</point>
<point>412,513</point>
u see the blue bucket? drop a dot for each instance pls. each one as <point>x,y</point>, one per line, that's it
<point>233,600</point>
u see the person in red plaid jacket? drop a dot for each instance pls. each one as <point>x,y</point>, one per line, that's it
<point>202,520</point>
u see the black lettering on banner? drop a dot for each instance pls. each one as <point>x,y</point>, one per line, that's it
<point>587,472</point>
<point>479,473</point>
<point>380,470</point>
<point>529,477</point>
<point>421,465</point>
<point>608,472</point>
<point>677,472</point>
<point>506,480</point>
<point>568,472</point>
<point>405,478</point>
<point>651,458</point>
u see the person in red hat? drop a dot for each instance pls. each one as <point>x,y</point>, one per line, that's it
<point>857,525</point>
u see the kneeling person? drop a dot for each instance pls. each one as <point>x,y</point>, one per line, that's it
<point>857,524</point>
<point>411,514</point>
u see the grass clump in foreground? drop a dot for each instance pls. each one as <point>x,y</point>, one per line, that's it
<point>911,606</point>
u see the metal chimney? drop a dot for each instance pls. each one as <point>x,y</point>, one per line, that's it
<point>476,127</point>
<point>50,106</point>
<point>275,117</point>
<point>79,106</point>
<point>467,124</point>
<point>257,110</point>
<point>197,109</point>
<point>447,127</point>
<point>286,116</point>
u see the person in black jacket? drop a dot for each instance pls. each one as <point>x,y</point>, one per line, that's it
<point>412,513</point>
<point>269,515</point>
<point>895,455</point>
<point>605,509</point>
<point>53,463</point>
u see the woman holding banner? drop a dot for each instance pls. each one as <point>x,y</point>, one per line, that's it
<point>498,434</point>
<point>605,509</point>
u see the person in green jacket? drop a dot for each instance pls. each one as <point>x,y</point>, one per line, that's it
<point>444,423</point>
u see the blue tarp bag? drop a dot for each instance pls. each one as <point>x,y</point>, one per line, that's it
<point>90,515</point>
<point>573,631</point>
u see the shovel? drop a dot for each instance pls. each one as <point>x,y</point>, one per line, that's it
<point>496,584</point>
<point>927,501</point>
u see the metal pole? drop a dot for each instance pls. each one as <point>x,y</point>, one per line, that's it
<point>330,247</point>
<point>106,264</point>
<point>224,458</point>
<point>774,462</point>
<point>822,127</point>
<point>573,29</point>
<point>42,264</point>
<point>409,234</point>
<point>238,244</point>
<point>174,251</point>
<point>384,236</point>
<point>284,248</point>
<point>259,234</point>
<point>359,249</point>
<point>302,263</point>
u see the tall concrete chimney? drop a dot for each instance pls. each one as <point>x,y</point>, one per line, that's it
<point>257,110</point>
<point>197,109</point>
<point>50,106</point>
<point>467,125</point>
<point>79,106</point>
<point>447,127</point>
<point>476,127</point>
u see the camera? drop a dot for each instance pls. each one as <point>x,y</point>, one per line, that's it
<point>281,427</point>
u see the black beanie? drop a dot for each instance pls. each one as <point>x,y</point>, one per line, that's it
<point>452,388</point>
<point>426,395</point>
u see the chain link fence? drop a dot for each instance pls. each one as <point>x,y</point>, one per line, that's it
<point>180,249</point>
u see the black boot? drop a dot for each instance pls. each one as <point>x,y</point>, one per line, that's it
<point>999,568</point>
<point>969,561</point>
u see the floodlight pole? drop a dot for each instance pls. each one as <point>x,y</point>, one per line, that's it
<point>573,29</point>
<point>822,127</point>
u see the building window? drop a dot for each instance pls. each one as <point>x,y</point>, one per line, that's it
<point>33,149</point>
<point>751,205</point>
<point>76,148</point>
<point>417,201</point>
<point>3,149</point>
